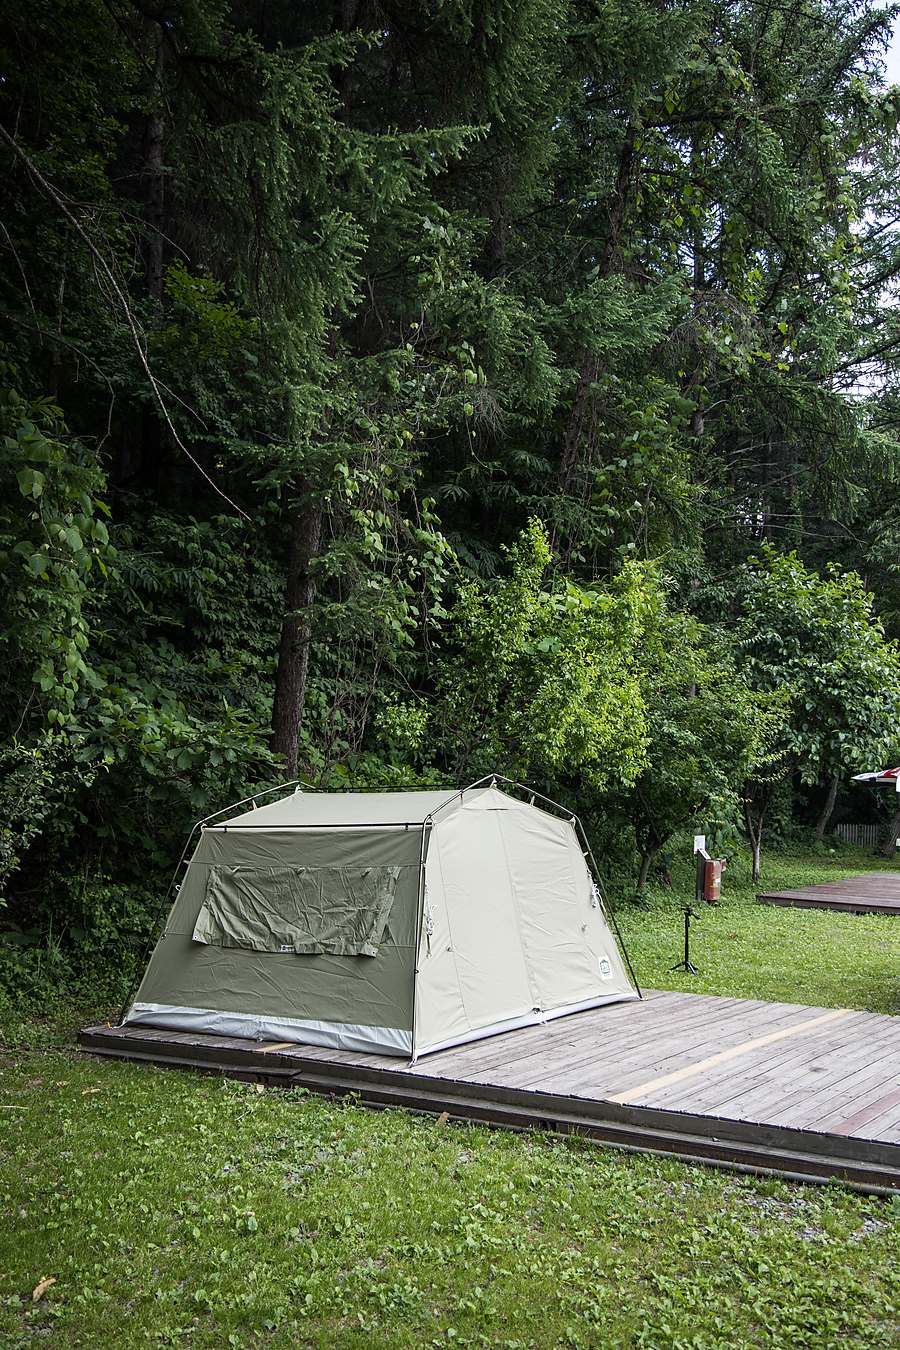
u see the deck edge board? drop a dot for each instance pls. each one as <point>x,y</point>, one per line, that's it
<point>758,1144</point>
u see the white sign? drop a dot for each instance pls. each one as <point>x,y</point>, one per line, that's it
<point>700,839</point>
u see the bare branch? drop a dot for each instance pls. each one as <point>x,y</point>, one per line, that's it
<point>107,273</point>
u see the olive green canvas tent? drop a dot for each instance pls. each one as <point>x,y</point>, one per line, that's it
<point>398,923</point>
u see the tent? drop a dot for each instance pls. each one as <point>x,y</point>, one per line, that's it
<point>399,923</point>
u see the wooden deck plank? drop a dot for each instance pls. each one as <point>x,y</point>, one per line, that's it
<point>807,1077</point>
<point>645,1029</point>
<point>681,1049</point>
<point>620,1073</point>
<point>802,1106</point>
<point>850,1109</point>
<point>619,1061</point>
<point>770,1100</point>
<point>832,1104</point>
<point>882,1131</point>
<point>764,1085</point>
<point>756,1080</point>
<point>822,1046</point>
<point>582,1035</point>
<point>619,1064</point>
<point>871,883</point>
<point>809,1104</point>
<point>808,1046</point>
<point>872,1110</point>
<point>610,1021</point>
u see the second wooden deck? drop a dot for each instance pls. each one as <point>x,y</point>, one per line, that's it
<point>873,893</point>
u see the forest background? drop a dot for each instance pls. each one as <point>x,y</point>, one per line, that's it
<point>398,393</point>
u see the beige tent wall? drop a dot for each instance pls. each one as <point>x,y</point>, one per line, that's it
<point>471,972</point>
<point>571,954</point>
<point>344,1002</point>
<point>518,937</point>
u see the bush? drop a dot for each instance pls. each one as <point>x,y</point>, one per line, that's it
<point>89,940</point>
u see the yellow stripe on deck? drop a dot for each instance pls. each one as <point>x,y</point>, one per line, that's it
<point>744,1048</point>
<point>282,1045</point>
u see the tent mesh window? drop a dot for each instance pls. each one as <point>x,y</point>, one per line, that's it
<point>308,911</point>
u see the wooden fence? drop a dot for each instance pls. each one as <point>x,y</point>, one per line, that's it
<point>867,835</point>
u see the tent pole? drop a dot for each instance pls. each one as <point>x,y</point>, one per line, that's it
<point>607,905</point>
<point>426,826</point>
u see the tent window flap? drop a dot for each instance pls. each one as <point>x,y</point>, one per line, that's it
<point>310,911</point>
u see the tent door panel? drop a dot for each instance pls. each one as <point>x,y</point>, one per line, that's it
<point>481,915</point>
<point>439,1005</point>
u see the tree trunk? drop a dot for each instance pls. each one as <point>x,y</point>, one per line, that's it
<point>499,233</point>
<point>620,200</point>
<point>698,416</point>
<point>890,843</point>
<point>53,377</point>
<point>589,361</point>
<point>293,655</point>
<point>654,842</point>
<point>647,856</point>
<point>755,827</point>
<point>766,494</point>
<point>344,20</point>
<point>828,808</point>
<point>569,462</point>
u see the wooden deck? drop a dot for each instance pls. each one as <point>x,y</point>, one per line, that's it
<point>874,893</point>
<point>810,1093</point>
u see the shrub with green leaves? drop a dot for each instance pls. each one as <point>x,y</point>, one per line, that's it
<point>131,697</point>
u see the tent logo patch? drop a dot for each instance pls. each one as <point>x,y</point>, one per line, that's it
<point>605,968</point>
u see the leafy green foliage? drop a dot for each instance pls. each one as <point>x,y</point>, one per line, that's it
<point>119,732</point>
<point>88,943</point>
<point>53,535</point>
<point>707,730</point>
<point>817,639</point>
<point>545,676</point>
<point>410,278</point>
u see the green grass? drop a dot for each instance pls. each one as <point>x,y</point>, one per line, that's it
<point>176,1210</point>
<point>743,949</point>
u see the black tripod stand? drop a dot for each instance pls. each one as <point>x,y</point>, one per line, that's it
<point>686,963</point>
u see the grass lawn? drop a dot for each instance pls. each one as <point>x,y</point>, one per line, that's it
<point>175,1210</point>
<point>178,1210</point>
<point>743,949</point>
